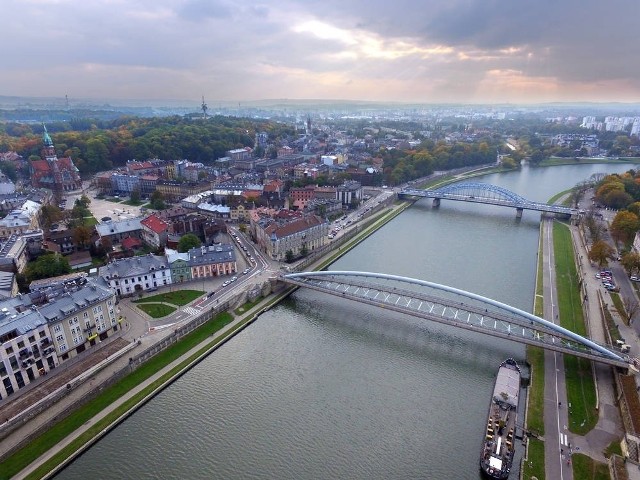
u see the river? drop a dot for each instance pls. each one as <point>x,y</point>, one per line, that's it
<point>320,387</point>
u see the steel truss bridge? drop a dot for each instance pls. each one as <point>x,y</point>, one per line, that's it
<point>485,193</point>
<point>458,308</point>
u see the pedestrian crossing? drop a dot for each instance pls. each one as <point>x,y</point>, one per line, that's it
<point>191,310</point>
<point>564,440</point>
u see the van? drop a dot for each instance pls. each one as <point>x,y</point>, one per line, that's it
<point>625,348</point>
<point>620,343</point>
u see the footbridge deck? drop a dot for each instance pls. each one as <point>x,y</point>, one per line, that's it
<point>485,193</point>
<point>458,308</point>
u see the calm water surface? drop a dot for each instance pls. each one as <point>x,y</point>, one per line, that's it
<point>323,388</point>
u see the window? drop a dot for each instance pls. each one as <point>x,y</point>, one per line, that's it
<point>13,362</point>
<point>60,338</point>
<point>57,328</point>
<point>85,315</point>
<point>71,322</point>
<point>42,334</point>
<point>3,370</point>
<point>63,348</point>
<point>9,350</point>
<point>21,344</point>
<point>32,339</point>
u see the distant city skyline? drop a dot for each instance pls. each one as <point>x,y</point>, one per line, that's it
<point>429,51</point>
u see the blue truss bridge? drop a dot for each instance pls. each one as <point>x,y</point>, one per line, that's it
<point>485,193</point>
<point>458,308</point>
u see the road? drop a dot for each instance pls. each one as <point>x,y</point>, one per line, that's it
<point>556,434</point>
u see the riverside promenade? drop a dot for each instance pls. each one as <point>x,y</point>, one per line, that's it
<point>183,363</point>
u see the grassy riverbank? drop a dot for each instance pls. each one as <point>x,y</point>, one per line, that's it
<point>581,391</point>
<point>22,458</point>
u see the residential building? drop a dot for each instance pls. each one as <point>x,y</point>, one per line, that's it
<point>154,231</point>
<point>298,236</point>
<point>212,261</point>
<point>8,285</point>
<point>13,254</point>
<point>21,220</point>
<point>117,231</point>
<point>130,275</point>
<point>179,265</point>
<point>41,330</point>
<point>125,183</point>
<point>174,191</point>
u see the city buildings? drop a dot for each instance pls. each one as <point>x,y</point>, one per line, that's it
<point>50,325</point>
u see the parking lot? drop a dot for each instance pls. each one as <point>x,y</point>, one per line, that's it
<point>101,208</point>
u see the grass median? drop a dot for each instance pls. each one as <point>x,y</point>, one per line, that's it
<point>25,456</point>
<point>580,384</point>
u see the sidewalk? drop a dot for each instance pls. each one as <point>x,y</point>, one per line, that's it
<point>609,427</point>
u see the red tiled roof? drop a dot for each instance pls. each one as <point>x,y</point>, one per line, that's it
<point>296,226</point>
<point>130,243</point>
<point>155,224</point>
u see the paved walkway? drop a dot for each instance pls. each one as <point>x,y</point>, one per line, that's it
<point>609,427</point>
<point>556,434</point>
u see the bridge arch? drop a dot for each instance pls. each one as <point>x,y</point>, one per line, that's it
<point>498,311</point>
<point>487,190</point>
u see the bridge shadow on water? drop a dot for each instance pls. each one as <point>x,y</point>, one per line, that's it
<point>442,344</point>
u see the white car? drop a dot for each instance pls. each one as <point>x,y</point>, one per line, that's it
<point>633,278</point>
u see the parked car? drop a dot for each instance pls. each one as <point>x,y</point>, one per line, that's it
<point>633,278</point>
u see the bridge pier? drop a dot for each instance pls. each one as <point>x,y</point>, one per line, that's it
<point>519,211</point>
<point>436,202</point>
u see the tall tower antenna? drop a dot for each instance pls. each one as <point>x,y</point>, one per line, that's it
<point>204,109</point>
<point>66,101</point>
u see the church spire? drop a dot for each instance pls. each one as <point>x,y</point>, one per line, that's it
<point>46,139</point>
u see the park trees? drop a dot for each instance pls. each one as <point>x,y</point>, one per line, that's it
<point>624,226</point>
<point>187,242</point>
<point>49,265</point>
<point>600,253</point>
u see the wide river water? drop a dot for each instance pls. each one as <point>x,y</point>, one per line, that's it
<point>324,388</point>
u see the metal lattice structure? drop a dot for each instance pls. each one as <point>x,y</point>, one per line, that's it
<point>458,308</point>
<point>488,194</point>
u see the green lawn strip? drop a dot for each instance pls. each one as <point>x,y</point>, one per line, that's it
<point>247,306</point>
<point>613,447</point>
<point>89,221</point>
<point>580,383</point>
<point>617,302</point>
<point>133,204</point>
<point>614,333</point>
<point>19,460</point>
<point>535,359</point>
<point>114,200</point>
<point>156,310</point>
<point>535,413</point>
<point>179,297</point>
<point>584,468</point>
<point>534,465</point>
<point>555,198</point>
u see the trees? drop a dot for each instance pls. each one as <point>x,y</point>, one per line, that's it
<point>82,236</point>
<point>49,265</point>
<point>50,214</point>
<point>157,201</point>
<point>624,226</point>
<point>600,252</point>
<point>631,263</point>
<point>187,242</point>
<point>288,256</point>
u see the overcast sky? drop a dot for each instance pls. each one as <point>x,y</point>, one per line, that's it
<point>428,51</point>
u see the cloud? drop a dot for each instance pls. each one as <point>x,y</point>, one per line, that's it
<point>407,50</point>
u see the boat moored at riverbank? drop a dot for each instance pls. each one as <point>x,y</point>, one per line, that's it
<point>496,456</point>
